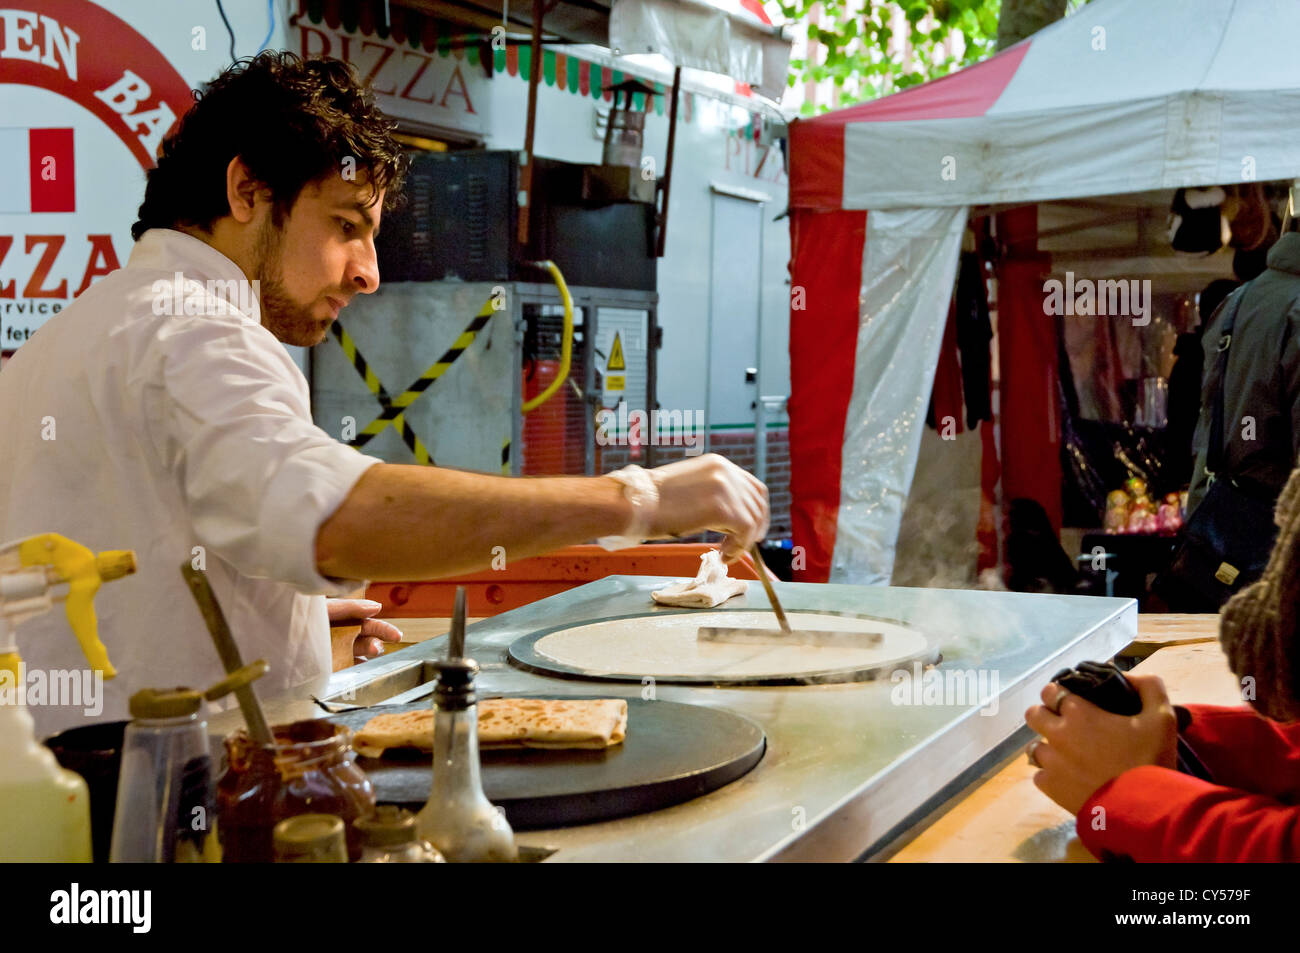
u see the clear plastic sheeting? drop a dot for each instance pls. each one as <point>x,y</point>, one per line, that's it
<point>908,268</point>
<point>692,33</point>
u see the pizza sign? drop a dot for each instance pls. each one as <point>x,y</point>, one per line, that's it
<point>410,80</point>
<point>64,199</point>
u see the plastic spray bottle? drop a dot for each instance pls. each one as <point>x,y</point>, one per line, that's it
<point>44,808</point>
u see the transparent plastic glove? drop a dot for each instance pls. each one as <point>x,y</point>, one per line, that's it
<point>690,496</point>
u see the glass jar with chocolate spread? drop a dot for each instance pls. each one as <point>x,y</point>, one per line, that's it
<point>311,769</point>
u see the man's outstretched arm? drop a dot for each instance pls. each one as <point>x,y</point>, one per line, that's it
<point>411,522</point>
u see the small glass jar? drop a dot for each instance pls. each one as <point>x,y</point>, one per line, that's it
<point>164,794</point>
<point>389,837</point>
<point>311,769</point>
<point>310,839</point>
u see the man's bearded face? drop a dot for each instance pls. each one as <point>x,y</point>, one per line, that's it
<point>285,317</point>
<point>311,261</point>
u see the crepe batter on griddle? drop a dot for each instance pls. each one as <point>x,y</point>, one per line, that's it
<point>667,645</point>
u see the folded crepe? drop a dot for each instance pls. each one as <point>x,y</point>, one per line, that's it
<point>508,723</point>
<point>710,587</point>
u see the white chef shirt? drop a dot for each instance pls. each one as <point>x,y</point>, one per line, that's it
<point>172,432</point>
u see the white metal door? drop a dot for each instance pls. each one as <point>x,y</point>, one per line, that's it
<point>736,250</point>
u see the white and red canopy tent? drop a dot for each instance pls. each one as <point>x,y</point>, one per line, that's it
<point>1122,96</point>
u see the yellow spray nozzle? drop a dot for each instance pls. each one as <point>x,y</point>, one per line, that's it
<point>114,564</point>
<point>83,571</point>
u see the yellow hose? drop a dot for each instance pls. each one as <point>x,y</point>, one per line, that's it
<point>566,346</point>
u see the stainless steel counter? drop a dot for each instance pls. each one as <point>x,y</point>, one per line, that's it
<point>845,764</point>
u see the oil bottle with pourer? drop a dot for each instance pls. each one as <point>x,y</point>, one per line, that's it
<point>459,820</point>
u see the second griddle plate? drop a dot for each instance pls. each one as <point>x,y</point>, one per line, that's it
<point>673,752</point>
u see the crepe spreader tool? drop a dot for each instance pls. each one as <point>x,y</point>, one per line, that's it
<point>786,635</point>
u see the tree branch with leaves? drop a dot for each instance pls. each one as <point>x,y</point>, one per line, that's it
<point>866,58</point>
<point>862,51</point>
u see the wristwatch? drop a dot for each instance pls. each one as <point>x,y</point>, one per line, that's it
<point>641,490</point>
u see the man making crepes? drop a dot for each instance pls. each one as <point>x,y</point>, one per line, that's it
<point>128,425</point>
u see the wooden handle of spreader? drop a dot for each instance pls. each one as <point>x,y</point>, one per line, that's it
<point>767,587</point>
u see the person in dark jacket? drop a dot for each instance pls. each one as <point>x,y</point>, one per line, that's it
<point>1185,385</point>
<point>1262,395</point>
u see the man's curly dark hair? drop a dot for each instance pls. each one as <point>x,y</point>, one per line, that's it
<point>292,121</point>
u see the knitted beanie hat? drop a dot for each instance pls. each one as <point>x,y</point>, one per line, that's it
<point>1260,626</point>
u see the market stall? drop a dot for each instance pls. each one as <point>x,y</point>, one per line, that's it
<point>1118,99</point>
<point>637,717</point>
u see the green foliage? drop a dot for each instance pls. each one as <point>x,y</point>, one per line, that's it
<point>857,34</point>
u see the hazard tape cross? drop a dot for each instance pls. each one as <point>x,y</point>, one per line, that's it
<point>393,408</point>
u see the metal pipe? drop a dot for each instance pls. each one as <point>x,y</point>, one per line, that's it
<point>652,373</point>
<point>668,161</point>
<point>534,78</point>
<point>773,402</point>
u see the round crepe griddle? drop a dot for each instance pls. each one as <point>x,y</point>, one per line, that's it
<point>673,752</point>
<point>664,647</point>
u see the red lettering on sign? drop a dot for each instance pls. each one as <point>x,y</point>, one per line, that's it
<point>387,53</point>
<point>743,150</point>
<point>307,51</point>
<point>101,250</point>
<point>464,91</point>
<point>6,242</point>
<point>318,42</point>
<point>34,287</point>
<point>424,65</point>
<point>734,147</point>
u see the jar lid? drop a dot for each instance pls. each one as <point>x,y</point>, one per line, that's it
<point>173,703</point>
<point>389,826</point>
<point>309,837</point>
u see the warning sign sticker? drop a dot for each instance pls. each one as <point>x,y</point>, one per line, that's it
<point>616,359</point>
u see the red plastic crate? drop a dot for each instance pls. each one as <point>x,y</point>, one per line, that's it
<point>493,591</point>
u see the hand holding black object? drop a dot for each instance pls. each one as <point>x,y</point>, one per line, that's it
<point>1103,684</point>
<point>1081,746</point>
